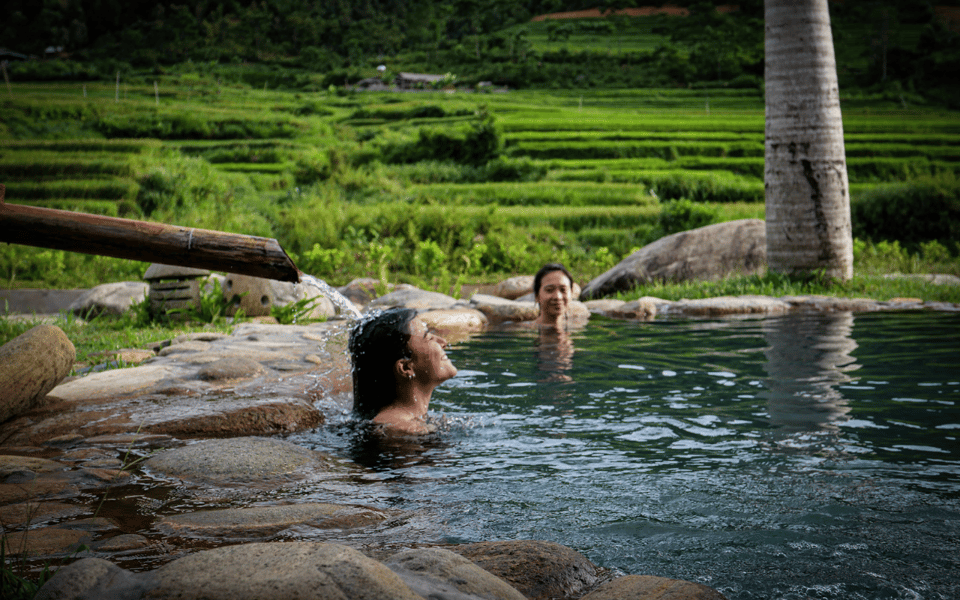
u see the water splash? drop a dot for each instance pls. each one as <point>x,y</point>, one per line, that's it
<point>342,303</point>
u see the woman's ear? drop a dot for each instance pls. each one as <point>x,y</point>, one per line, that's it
<point>403,368</point>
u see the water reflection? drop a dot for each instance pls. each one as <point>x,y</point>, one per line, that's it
<point>554,355</point>
<point>808,357</point>
<point>376,449</point>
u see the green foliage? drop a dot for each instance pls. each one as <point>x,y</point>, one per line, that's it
<point>922,210</point>
<point>294,312</point>
<point>14,586</point>
<point>213,306</point>
<point>862,285</point>
<point>890,257</point>
<point>472,144</point>
<point>683,215</point>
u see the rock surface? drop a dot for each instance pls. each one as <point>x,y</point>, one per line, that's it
<point>705,253</point>
<point>31,365</point>
<point>645,587</point>
<point>256,296</point>
<point>109,299</point>
<point>539,570</point>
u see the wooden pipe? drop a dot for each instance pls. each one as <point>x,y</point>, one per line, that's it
<point>144,241</point>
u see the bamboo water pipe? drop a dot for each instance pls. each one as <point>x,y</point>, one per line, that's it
<point>144,241</point>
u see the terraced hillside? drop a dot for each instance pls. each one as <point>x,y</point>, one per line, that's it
<point>323,171</point>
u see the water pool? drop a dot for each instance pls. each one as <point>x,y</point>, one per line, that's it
<point>804,456</point>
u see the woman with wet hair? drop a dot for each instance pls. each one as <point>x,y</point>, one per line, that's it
<point>552,290</point>
<point>397,363</point>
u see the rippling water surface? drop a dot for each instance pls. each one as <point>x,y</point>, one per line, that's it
<point>805,456</point>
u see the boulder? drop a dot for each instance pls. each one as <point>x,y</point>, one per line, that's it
<point>239,460</point>
<point>455,324</point>
<point>362,291</point>
<point>538,570</point>
<point>710,252</point>
<point>514,287</point>
<point>411,297</point>
<point>439,573</point>
<point>109,299</point>
<point>31,365</point>
<point>646,587</point>
<point>721,306</point>
<point>499,309</point>
<point>265,521</point>
<point>257,295</point>
<point>257,571</point>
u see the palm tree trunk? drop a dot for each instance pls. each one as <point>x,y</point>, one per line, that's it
<point>805,168</point>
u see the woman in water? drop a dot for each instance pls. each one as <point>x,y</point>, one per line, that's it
<point>552,289</point>
<point>397,363</point>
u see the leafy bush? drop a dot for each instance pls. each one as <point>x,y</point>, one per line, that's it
<point>923,210</point>
<point>683,215</point>
<point>474,144</point>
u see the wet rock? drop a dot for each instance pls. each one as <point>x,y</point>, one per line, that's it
<point>439,573</point>
<point>514,287</point>
<point>832,304</point>
<point>456,323</point>
<point>31,365</point>
<point>729,305</point>
<point>256,296</point>
<point>641,309</point>
<point>225,369</point>
<point>538,570</point>
<point>109,299</point>
<point>45,541</point>
<point>644,587</point>
<point>116,382</point>
<point>10,464</point>
<point>498,309</point>
<point>33,513</point>
<point>410,297</point>
<point>93,578</point>
<point>263,521</point>
<point>239,460</point>
<point>705,253</point>
<point>120,543</point>
<point>364,290</point>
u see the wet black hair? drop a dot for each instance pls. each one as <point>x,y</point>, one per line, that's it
<point>549,268</point>
<point>376,343</point>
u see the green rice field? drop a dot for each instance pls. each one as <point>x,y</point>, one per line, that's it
<point>587,171</point>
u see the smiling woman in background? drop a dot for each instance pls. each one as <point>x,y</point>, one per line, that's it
<point>397,363</point>
<point>552,290</point>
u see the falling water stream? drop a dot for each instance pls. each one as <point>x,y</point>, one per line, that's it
<point>343,305</point>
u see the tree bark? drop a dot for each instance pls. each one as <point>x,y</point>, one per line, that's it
<point>144,241</point>
<point>805,169</point>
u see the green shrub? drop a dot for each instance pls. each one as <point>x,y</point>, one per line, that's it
<point>683,215</point>
<point>923,210</point>
<point>473,144</point>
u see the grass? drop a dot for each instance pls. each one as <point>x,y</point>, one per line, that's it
<point>99,337</point>
<point>874,286</point>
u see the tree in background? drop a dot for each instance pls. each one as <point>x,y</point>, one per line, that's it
<point>805,169</point>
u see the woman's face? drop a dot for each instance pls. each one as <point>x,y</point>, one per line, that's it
<point>428,358</point>
<point>554,294</point>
